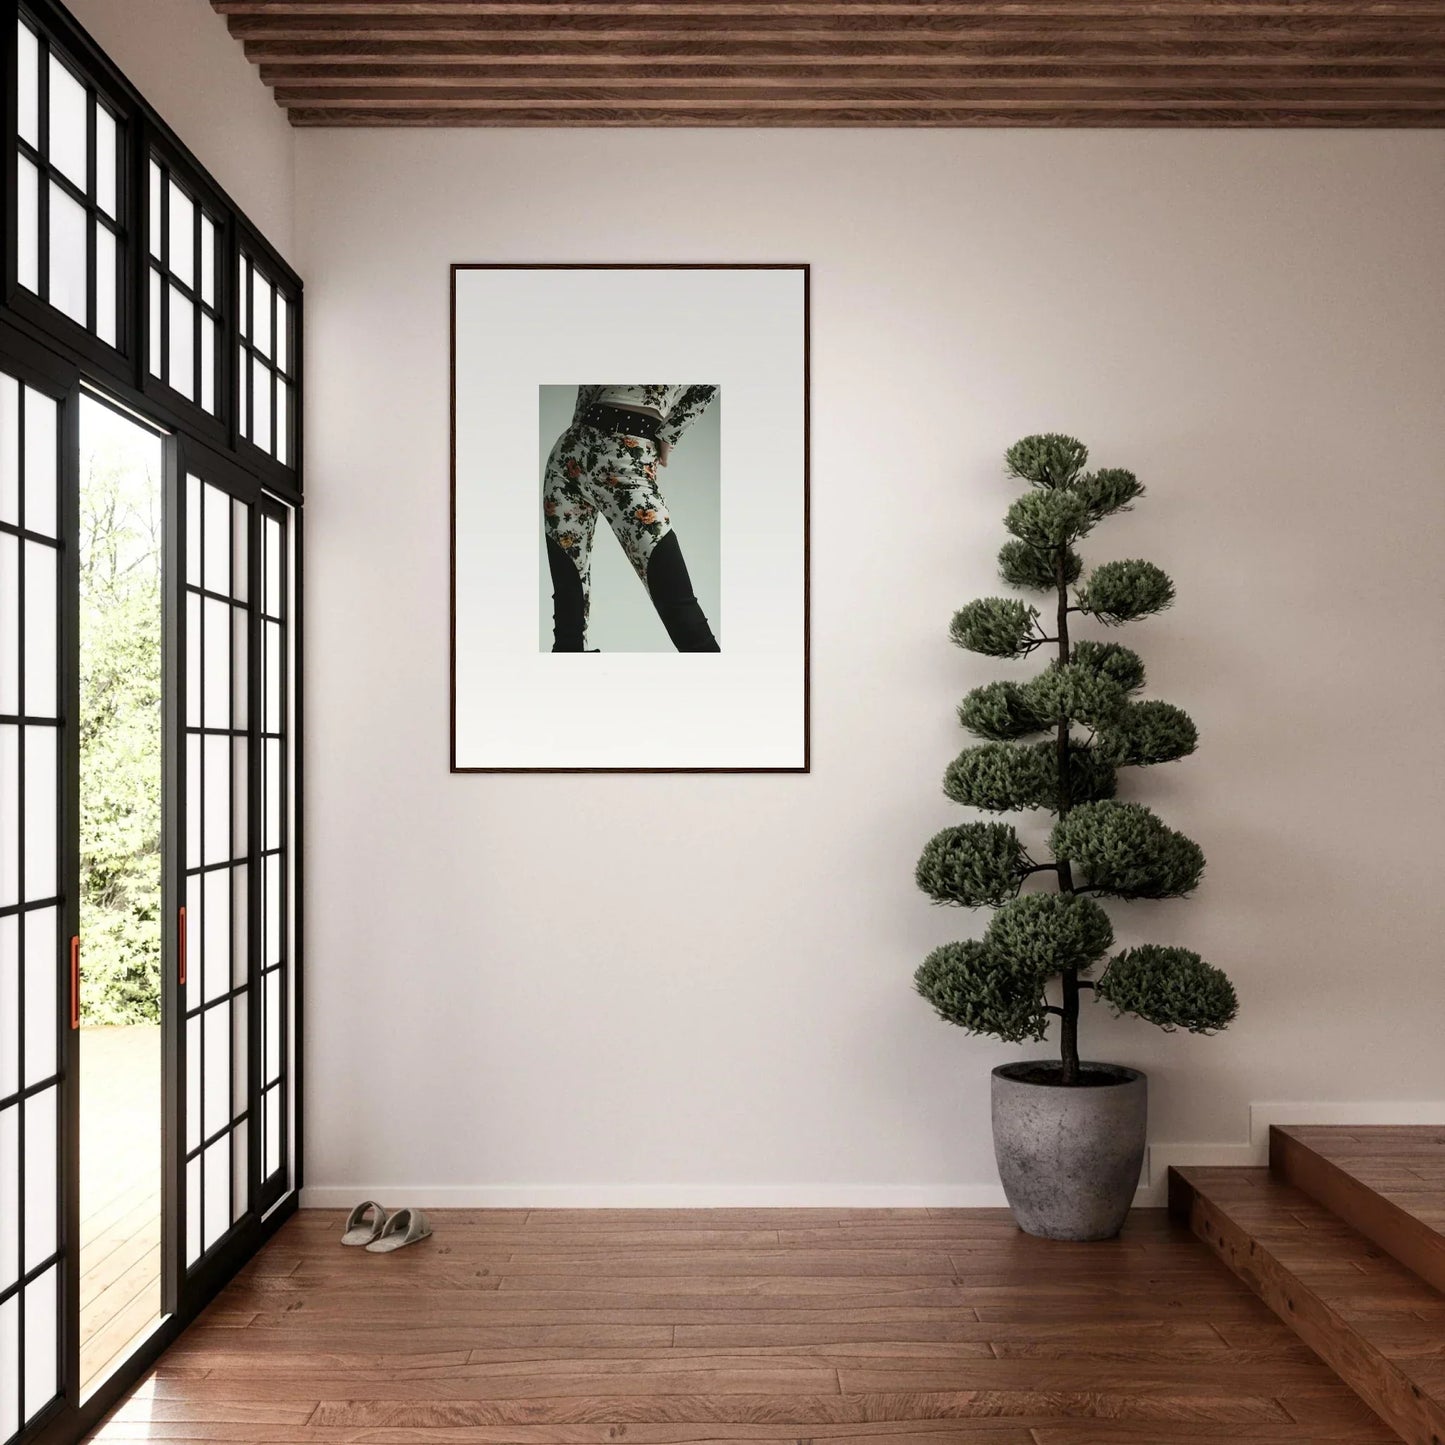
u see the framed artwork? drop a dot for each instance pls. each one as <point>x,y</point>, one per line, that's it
<point>629,588</point>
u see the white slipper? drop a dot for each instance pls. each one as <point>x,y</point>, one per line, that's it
<point>404,1227</point>
<point>360,1229</point>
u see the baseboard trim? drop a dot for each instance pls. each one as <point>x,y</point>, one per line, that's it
<point>661,1196</point>
<point>1253,1151</point>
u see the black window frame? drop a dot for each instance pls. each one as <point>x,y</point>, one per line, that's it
<point>46,343</point>
<point>125,368</point>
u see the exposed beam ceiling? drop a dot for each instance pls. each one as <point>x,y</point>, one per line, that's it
<point>849,62</point>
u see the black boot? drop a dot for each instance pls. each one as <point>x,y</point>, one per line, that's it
<point>671,590</point>
<point>569,606</point>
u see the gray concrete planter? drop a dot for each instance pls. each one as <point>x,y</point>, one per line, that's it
<point>1069,1158</point>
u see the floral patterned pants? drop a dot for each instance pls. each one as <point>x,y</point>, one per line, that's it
<point>592,471</point>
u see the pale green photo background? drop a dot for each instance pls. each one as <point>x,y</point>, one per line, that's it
<point>622,618</point>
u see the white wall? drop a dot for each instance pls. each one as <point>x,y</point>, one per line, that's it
<point>664,988</point>
<point>181,57</point>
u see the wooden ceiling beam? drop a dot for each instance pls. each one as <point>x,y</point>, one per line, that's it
<point>377,77</point>
<point>1030,11</point>
<point>758,116</point>
<point>408,54</point>
<point>622,29</point>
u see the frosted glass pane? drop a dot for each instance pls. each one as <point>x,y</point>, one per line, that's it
<point>156,349</point>
<point>217,682</point>
<point>283,333</point>
<point>240,1047</point>
<point>273,1133</point>
<point>9,1196</point>
<point>193,1083</point>
<point>42,1313</point>
<point>67,256</point>
<point>9,1014</point>
<point>40,1201</point>
<point>40,602</point>
<point>261,315</point>
<point>243,392</point>
<point>40,781</point>
<point>195,916</point>
<point>283,412</point>
<point>208,260</point>
<point>154,193</point>
<point>218,800</point>
<point>27,97</point>
<point>9,624</point>
<point>217,1109</point>
<point>182,349</point>
<point>240,625</point>
<point>271,1016</point>
<point>69,105</point>
<point>240,520</point>
<point>182,258</point>
<point>105,309</point>
<point>240,1170</point>
<point>240,923</point>
<point>10,1364</point>
<point>9,449</point>
<point>243,320</point>
<point>218,542</point>
<point>41,1007</point>
<point>218,1190</point>
<point>208,364</point>
<point>193,530</point>
<point>193,801</point>
<point>260,404</point>
<point>9,815</point>
<point>217,935</point>
<point>27,216</point>
<point>193,659</point>
<point>273,677</point>
<point>41,437</point>
<point>272,837</point>
<point>106,149</point>
<point>193,1211</point>
<point>273,568</point>
<point>240,796</point>
<point>271,954</point>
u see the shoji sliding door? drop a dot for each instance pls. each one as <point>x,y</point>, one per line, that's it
<point>37,899</point>
<point>232,806</point>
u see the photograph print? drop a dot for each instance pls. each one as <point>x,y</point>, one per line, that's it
<point>629,560</point>
<point>630,513</point>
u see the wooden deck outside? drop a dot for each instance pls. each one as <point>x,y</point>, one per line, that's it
<point>120,1193</point>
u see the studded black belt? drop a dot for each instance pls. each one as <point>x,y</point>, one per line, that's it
<point>619,419</point>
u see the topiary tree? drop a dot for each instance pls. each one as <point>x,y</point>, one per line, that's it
<point>1102,848</point>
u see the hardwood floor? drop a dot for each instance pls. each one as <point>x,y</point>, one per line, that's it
<point>572,1327</point>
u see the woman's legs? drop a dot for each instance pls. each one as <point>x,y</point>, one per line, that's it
<point>631,500</point>
<point>569,524</point>
<point>592,471</point>
<point>671,591</point>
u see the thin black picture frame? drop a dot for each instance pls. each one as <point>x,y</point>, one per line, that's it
<point>805,268</point>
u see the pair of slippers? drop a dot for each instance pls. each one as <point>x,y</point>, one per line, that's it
<point>382,1233</point>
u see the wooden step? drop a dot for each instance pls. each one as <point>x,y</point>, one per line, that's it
<point>1388,1182</point>
<point>1375,1323</point>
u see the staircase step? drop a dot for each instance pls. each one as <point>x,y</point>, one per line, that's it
<point>1388,1182</point>
<point>1378,1325</point>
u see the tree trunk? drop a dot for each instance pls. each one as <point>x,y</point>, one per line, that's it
<point>1069,1023</point>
